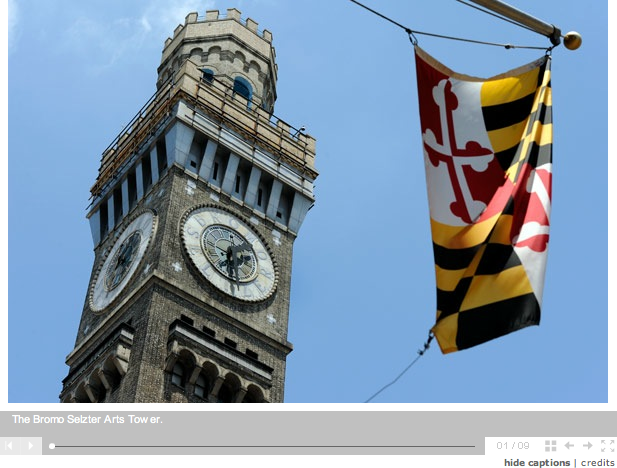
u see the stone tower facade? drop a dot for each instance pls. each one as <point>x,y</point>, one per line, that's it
<point>193,216</point>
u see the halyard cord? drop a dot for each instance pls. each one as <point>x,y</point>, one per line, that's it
<point>420,354</point>
<point>414,41</point>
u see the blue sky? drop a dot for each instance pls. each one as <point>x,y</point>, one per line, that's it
<point>363,289</point>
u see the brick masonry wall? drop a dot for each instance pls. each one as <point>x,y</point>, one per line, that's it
<point>180,290</point>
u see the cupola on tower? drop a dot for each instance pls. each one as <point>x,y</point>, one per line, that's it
<point>193,215</point>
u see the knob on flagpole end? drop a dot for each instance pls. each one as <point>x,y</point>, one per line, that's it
<point>572,40</point>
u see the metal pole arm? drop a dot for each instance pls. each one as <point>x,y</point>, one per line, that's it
<point>518,16</point>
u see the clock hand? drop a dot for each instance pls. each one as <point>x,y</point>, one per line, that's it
<point>235,267</point>
<point>230,262</point>
<point>123,260</point>
<point>232,266</point>
<point>126,255</point>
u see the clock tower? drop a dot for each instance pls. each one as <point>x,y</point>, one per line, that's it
<point>193,215</point>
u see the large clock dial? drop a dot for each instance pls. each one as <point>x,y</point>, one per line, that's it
<point>122,260</point>
<point>229,254</point>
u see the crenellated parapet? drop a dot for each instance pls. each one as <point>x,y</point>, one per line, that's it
<point>214,15</point>
<point>226,47</point>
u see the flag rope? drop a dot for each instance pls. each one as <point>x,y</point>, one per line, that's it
<point>420,354</point>
<point>414,41</point>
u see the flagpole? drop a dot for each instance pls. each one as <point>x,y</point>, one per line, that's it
<point>572,40</point>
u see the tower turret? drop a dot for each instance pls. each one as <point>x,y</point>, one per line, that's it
<point>228,48</point>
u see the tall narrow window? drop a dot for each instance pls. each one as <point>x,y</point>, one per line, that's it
<point>103,219</point>
<point>243,88</point>
<point>177,375</point>
<point>161,153</point>
<point>263,192</point>
<point>201,386</point>
<point>132,184</point>
<point>243,175</point>
<point>195,156</point>
<point>146,172</point>
<point>219,167</point>
<point>285,204</point>
<point>117,194</point>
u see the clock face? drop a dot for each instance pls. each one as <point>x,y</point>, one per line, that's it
<point>122,260</point>
<point>229,254</point>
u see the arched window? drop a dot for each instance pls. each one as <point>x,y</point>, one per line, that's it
<point>253,395</point>
<point>226,393</point>
<point>111,373</point>
<point>80,394</point>
<point>207,75</point>
<point>229,389</point>
<point>201,386</point>
<point>177,375</point>
<point>243,88</point>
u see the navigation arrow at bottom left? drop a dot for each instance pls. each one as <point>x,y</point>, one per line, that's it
<point>9,446</point>
<point>31,446</point>
<point>21,446</point>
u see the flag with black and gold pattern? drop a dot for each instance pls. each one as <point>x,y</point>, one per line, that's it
<point>488,157</point>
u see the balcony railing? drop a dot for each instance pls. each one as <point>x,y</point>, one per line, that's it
<point>217,100</point>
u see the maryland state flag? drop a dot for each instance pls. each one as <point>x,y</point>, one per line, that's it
<point>487,153</point>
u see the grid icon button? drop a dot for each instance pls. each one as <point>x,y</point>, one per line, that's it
<point>550,445</point>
